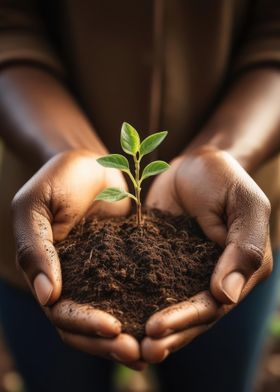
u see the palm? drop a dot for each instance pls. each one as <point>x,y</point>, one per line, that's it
<point>232,210</point>
<point>74,183</point>
<point>196,189</point>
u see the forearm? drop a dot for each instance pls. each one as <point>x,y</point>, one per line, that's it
<point>40,118</point>
<point>247,122</point>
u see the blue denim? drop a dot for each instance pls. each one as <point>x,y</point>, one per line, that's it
<point>44,361</point>
<point>222,360</point>
<point>225,358</point>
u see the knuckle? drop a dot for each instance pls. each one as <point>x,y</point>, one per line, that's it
<point>23,256</point>
<point>254,255</point>
<point>16,203</point>
<point>197,310</point>
<point>31,197</point>
<point>266,205</point>
<point>22,198</point>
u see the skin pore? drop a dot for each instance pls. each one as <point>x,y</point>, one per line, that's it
<point>242,133</point>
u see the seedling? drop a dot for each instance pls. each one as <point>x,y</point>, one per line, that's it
<point>131,144</point>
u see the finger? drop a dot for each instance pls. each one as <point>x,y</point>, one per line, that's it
<point>123,348</point>
<point>189,189</point>
<point>263,272</point>
<point>156,350</point>
<point>247,244</point>
<point>79,172</point>
<point>36,255</point>
<point>200,309</point>
<point>213,227</point>
<point>83,319</point>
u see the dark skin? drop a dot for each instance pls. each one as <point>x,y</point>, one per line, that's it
<point>242,133</point>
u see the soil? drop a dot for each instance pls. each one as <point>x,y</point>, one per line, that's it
<point>132,272</point>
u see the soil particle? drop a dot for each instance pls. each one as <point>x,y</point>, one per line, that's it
<point>132,272</point>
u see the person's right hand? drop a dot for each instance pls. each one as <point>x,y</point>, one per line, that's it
<point>45,209</point>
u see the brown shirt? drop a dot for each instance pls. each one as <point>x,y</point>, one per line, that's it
<point>158,64</point>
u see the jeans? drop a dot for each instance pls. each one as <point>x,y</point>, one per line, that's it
<point>224,359</point>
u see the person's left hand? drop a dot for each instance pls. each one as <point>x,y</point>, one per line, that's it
<point>232,210</point>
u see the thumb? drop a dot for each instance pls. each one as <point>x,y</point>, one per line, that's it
<point>36,255</point>
<point>247,257</point>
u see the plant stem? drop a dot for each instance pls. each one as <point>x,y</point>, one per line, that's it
<point>137,191</point>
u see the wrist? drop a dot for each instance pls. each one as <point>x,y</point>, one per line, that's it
<point>243,153</point>
<point>246,122</point>
<point>203,153</point>
<point>246,153</point>
<point>48,119</point>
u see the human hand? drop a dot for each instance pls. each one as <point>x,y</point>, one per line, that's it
<point>45,209</point>
<point>232,211</point>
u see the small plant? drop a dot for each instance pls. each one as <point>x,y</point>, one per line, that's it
<point>131,144</point>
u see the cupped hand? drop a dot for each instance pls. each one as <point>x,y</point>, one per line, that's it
<point>45,209</point>
<point>232,210</point>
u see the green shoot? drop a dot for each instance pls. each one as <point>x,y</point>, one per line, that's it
<point>131,144</point>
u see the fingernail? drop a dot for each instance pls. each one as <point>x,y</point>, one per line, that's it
<point>233,285</point>
<point>43,288</point>
<point>115,357</point>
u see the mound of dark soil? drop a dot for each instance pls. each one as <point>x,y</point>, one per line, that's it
<point>132,272</point>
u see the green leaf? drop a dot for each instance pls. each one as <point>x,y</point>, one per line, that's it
<point>130,140</point>
<point>112,194</point>
<point>115,161</point>
<point>152,142</point>
<point>154,168</point>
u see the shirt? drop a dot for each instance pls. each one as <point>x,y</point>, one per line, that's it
<point>158,64</point>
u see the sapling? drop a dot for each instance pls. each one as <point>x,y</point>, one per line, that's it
<point>132,145</point>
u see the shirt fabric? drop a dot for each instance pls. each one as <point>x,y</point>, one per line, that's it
<point>158,64</point>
